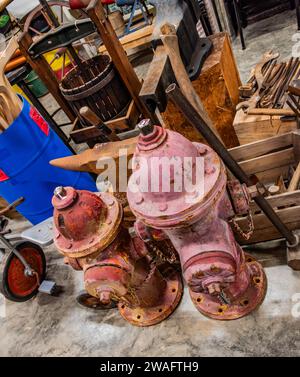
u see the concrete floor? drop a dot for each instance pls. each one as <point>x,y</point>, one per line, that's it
<point>56,326</point>
<point>274,33</point>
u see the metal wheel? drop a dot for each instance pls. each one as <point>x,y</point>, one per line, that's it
<point>38,23</point>
<point>14,284</point>
<point>58,8</point>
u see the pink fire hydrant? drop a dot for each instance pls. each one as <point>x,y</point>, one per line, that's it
<point>224,283</point>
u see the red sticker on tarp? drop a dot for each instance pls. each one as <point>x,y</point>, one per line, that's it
<point>39,120</point>
<point>3,176</point>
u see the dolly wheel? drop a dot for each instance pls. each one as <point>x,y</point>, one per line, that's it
<point>15,284</point>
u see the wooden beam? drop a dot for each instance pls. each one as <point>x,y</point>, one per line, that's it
<point>262,147</point>
<point>296,144</point>
<point>271,160</point>
<point>281,200</point>
<point>142,37</point>
<point>159,76</point>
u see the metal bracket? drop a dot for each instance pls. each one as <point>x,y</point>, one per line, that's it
<point>42,233</point>
<point>63,36</point>
<point>48,287</point>
<point>193,49</point>
<point>202,51</point>
<point>160,75</point>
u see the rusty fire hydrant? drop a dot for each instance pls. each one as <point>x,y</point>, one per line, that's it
<point>89,233</point>
<point>224,283</point>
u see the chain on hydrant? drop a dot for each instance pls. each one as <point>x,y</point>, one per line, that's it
<point>116,266</point>
<point>224,283</point>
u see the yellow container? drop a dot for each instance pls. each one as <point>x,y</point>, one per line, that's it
<point>58,63</point>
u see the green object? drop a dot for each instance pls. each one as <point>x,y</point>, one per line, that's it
<point>36,85</point>
<point>4,19</point>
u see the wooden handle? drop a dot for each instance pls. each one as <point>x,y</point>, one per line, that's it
<point>8,53</point>
<point>4,4</point>
<point>271,112</point>
<point>14,103</point>
<point>94,120</point>
<point>5,109</point>
<point>3,123</point>
<point>170,42</point>
<point>293,186</point>
<point>90,116</point>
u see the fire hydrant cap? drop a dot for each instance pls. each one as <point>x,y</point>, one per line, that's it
<point>63,197</point>
<point>85,222</point>
<point>171,202</point>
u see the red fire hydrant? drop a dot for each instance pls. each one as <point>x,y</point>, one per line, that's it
<point>224,283</point>
<point>89,233</point>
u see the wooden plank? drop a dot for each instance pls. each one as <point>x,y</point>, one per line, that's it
<point>282,200</point>
<point>159,76</point>
<point>262,147</point>
<point>231,76</point>
<point>83,135</point>
<point>266,234</point>
<point>137,38</point>
<point>128,121</point>
<point>270,176</point>
<point>218,91</point>
<point>272,160</point>
<point>296,144</point>
<point>287,215</point>
<point>251,128</point>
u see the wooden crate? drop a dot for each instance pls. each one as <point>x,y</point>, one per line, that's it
<point>90,134</point>
<point>251,128</point>
<point>218,89</point>
<point>268,159</point>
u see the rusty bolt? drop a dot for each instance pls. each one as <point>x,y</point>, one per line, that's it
<point>105,298</point>
<point>146,127</point>
<point>139,199</point>
<point>163,207</point>
<point>60,192</point>
<point>210,170</point>
<point>214,288</point>
<point>132,232</point>
<point>202,151</point>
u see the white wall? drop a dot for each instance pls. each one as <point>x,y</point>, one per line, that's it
<point>20,8</point>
